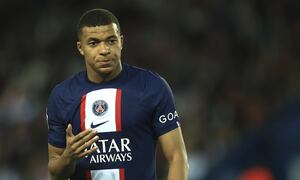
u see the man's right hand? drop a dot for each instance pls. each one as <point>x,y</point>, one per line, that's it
<point>62,161</point>
<point>76,145</point>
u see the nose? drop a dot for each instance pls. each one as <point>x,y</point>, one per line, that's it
<point>104,49</point>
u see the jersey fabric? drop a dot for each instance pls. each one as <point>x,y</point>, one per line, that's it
<point>129,113</point>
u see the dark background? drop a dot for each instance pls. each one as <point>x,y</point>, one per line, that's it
<point>233,67</point>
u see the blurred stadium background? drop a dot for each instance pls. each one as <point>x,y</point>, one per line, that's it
<point>233,66</point>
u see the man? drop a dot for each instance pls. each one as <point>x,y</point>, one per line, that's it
<point>104,122</point>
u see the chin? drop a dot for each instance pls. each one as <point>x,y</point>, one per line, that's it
<point>105,71</point>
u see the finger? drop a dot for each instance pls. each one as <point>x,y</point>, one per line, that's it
<point>88,152</point>
<point>69,130</point>
<point>82,134</point>
<point>84,139</point>
<point>87,144</point>
<point>78,139</point>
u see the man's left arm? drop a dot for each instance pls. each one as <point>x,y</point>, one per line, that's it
<point>173,148</point>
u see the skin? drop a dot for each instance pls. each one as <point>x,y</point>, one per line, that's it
<point>173,148</point>
<point>101,47</point>
<point>61,163</point>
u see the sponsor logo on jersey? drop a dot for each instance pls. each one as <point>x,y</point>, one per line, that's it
<point>111,150</point>
<point>100,107</point>
<point>96,125</point>
<point>167,117</point>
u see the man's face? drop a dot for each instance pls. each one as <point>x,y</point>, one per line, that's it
<point>101,47</point>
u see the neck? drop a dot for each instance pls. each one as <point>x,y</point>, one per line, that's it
<point>97,77</point>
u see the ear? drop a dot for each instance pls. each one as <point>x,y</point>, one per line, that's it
<point>122,40</point>
<point>79,47</point>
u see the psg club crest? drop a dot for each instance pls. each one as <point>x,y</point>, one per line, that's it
<point>100,107</point>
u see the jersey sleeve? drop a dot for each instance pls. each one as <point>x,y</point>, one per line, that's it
<point>165,115</point>
<point>56,122</point>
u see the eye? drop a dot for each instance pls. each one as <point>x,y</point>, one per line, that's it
<point>112,41</point>
<point>93,43</point>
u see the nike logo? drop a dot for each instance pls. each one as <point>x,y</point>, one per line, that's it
<point>96,125</point>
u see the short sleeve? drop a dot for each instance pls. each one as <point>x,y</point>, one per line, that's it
<point>56,122</point>
<point>165,115</point>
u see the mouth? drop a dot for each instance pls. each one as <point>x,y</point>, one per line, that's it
<point>104,62</point>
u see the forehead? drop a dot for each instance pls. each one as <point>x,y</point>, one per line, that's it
<point>103,30</point>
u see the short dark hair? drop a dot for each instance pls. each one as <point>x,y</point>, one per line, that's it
<point>96,17</point>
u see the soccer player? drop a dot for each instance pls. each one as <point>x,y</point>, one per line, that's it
<point>104,123</point>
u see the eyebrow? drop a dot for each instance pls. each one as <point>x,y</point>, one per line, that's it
<point>97,39</point>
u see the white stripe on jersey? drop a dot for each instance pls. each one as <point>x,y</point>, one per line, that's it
<point>109,117</point>
<point>108,174</point>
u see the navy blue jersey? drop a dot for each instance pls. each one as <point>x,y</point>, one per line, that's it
<point>129,113</point>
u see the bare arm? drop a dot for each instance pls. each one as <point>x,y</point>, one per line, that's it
<point>174,150</point>
<point>61,163</point>
<point>60,167</point>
